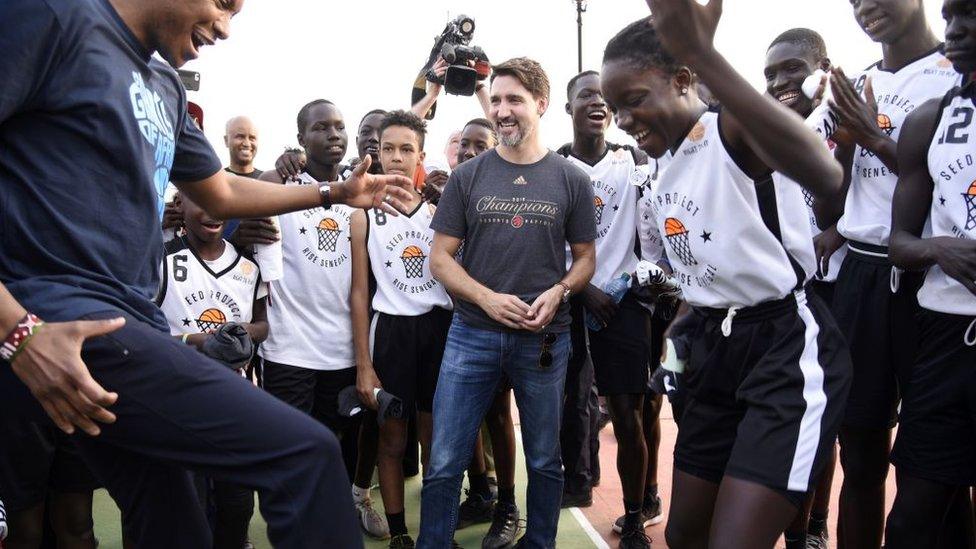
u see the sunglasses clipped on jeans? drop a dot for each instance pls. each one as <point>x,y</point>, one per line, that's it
<point>545,357</point>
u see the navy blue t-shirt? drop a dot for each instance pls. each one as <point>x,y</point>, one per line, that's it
<point>91,130</point>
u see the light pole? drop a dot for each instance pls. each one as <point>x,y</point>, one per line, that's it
<point>580,8</point>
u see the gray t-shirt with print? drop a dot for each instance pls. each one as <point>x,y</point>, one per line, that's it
<point>515,220</point>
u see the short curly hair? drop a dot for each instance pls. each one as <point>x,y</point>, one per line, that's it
<point>638,43</point>
<point>528,72</point>
<point>809,40</point>
<point>405,119</point>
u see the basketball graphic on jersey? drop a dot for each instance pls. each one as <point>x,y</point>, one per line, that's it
<point>598,205</point>
<point>884,122</point>
<point>329,232</point>
<point>413,261</point>
<point>807,197</point>
<point>697,132</point>
<point>210,320</point>
<point>970,197</point>
<point>677,236</point>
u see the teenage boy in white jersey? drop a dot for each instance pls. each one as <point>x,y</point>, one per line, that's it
<point>768,371</point>
<point>308,356</point>
<point>935,450</point>
<point>206,282</point>
<point>619,350</point>
<point>791,58</point>
<point>400,350</point>
<point>875,304</point>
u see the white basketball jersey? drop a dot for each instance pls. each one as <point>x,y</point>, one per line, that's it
<point>731,241</point>
<point>867,211</point>
<point>616,188</point>
<point>309,314</point>
<point>952,166</point>
<point>651,242</point>
<point>399,256</point>
<point>197,296</point>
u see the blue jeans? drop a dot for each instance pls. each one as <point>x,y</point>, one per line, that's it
<point>474,361</point>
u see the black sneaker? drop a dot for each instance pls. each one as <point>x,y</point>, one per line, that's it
<point>650,515</point>
<point>474,510</point>
<point>401,541</point>
<point>817,542</point>
<point>504,527</point>
<point>577,499</point>
<point>634,539</point>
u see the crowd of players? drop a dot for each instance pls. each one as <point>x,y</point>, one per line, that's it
<point>827,276</point>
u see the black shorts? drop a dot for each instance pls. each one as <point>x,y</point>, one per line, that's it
<point>620,351</point>
<point>407,353</point>
<point>880,328</point>
<point>37,459</point>
<point>315,392</point>
<point>764,404</point>
<point>937,427</point>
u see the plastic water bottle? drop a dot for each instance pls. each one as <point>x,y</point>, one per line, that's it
<point>616,289</point>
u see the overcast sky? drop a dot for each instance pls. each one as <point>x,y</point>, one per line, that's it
<point>365,54</point>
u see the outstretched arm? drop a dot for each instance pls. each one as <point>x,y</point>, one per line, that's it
<point>772,133</point>
<point>228,196</point>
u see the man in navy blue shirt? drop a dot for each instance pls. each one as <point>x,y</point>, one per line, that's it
<point>92,128</point>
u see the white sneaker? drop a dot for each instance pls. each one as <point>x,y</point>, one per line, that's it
<point>373,523</point>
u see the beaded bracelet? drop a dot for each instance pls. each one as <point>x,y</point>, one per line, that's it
<point>16,341</point>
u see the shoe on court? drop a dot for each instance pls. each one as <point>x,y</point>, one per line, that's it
<point>634,538</point>
<point>650,515</point>
<point>504,527</point>
<point>817,542</point>
<point>474,510</point>
<point>582,498</point>
<point>402,541</point>
<point>372,522</point>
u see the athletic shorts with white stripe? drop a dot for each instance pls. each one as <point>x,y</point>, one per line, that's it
<point>765,401</point>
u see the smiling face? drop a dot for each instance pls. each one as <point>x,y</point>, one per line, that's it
<point>960,34</point>
<point>648,104</point>
<point>400,151</point>
<point>788,64</point>
<point>204,228</point>
<point>241,139</point>
<point>183,27</point>
<point>591,116</point>
<point>514,112</point>
<point>324,138</point>
<point>886,21</point>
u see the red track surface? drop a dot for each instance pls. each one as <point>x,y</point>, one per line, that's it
<point>608,498</point>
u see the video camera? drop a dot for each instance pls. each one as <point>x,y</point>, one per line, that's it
<point>454,45</point>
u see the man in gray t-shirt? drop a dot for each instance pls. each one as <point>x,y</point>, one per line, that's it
<point>515,220</point>
<point>515,208</point>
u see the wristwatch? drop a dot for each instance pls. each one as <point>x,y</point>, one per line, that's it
<point>326,191</point>
<point>566,291</point>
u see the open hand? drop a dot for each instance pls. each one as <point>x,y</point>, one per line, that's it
<point>685,27</point>
<point>365,190</point>
<point>51,367</point>
<point>858,117</point>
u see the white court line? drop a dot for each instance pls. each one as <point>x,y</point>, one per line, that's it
<point>581,519</point>
<point>584,523</point>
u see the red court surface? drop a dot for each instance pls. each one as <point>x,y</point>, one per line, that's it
<point>607,498</point>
